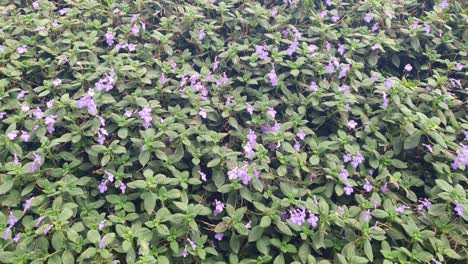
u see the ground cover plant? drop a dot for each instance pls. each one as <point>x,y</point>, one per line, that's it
<point>210,131</point>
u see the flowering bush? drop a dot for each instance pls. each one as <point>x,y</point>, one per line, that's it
<point>233,131</point>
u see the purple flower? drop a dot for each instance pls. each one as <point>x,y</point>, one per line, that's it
<point>27,204</point>
<point>22,49</point>
<point>185,253</point>
<point>215,64</point>
<point>458,208</point>
<point>101,224</point>
<point>248,225</point>
<point>38,114</point>
<point>106,83</point>
<point>251,137</point>
<point>250,109</point>
<point>385,101</point>
<point>274,12</point>
<point>348,189</point>
<point>24,136</point>
<point>260,51</point>
<point>57,82</point>
<point>368,17</point>
<point>201,34</point>
<point>352,124</point>
<point>341,50</point>
<point>36,163</point>
<point>47,229</point>
<point>461,158</point>
<point>358,159</point>
<point>240,173</point>
<point>368,186</point>
<point>249,151</point>
<point>436,261</point>
<point>300,134</point>
<point>135,30</point>
<point>408,67</point>
<point>36,4</point>
<point>323,14</point>
<point>192,244</point>
<point>13,134</point>
<point>459,66</point>
<point>12,220</point>
<point>367,216</point>
<point>271,112</point>
<point>224,80</point>
<point>429,147</point>
<point>103,186</point>
<point>297,145</point>
<point>88,102</point>
<point>313,86</point>
<point>109,38</point>
<point>17,237</point>
<point>202,176</point>
<point>388,83</point>
<point>401,209</point>
<point>219,236</point>
<point>344,174</point>
<point>101,244</point>
<point>335,18</point>
<point>375,27</point>
<point>384,187</point>
<point>424,203</point>
<point>272,76</point>
<point>63,11</point>
<point>21,94</point>
<point>330,68</point>
<point>219,207</point>
<point>312,220</point>
<point>24,107</point>
<point>276,128</point>
<point>6,233</point>
<point>328,2</point>
<point>292,48</point>
<point>466,135</point>
<point>344,70</point>
<point>427,28</point>
<point>202,112</point>
<point>345,89</point>
<point>341,211</point>
<point>297,216</point>
<point>131,47</point>
<point>122,187</point>
<point>38,221</point>
<point>145,115</point>
<point>443,4</point>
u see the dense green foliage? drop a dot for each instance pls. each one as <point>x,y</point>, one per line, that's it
<point>233,131</point>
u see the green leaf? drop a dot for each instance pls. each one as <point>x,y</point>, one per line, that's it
<point>368,250</point>
<point>93,236</point>
<point>283,228</point>
<point>444,185</point>
<point>144,157</point>
<point>255,233</point>
<point>234,243</point>
<point>412,141</point>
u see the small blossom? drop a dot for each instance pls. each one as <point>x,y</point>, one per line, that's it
<point>345,89</point>
<point>201,34</point>
<point>260,51</point>
<point>219,207</point>
<point>22,49</point>
<point>248,225</point>
<point>323,14</point>
<point>312,220</point>
<point>101,224</point>
<point>103,186</point>
<point>63,11</point>
<point>122,187</point>
<point>21,94</point>
<point>344,174</point>
<point>24,136</point>
<point>13,134</point>
<point>408,67</point>
<point>401,209</point>
<point>192,244</point>
<point>6,233</point>
<point>384,187</point>
<point>367,216</point>
<point>352,124</point>
<point>375,27</point>
<point>47,229</point>
<point>461,158</point>
<point>202,176</point>
<point>458,208</point>
<point>135,30</point>
<point>131,47</point>
<point>341,50</point>
<point>12,220</point>
<point>274,12</point>
<point>368,17</point>
<point>368,186</point>
<point>185,253</point>
<point>271,112</point>
<point>250,109</point>
<point>297,216</point>
<point>272,76</point>
<point>341,211</point>
<point>300,134</point>
<point>388,84</point>
<point>36,163</point>
<point>313,86</point>
<point>335,18</point>
<point>101,244</point>
<point>385,101</point>
<point>429,147</point>
<point>202,112</point>
<point>145,115</point>
<point>17,237</point>
<point>443,4</point>
<point>459,66</point>
<point>219,236</point>
<point>57,82</point>
<point>297,146</point>
<point>348,189</point>
<point>427,28</point>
